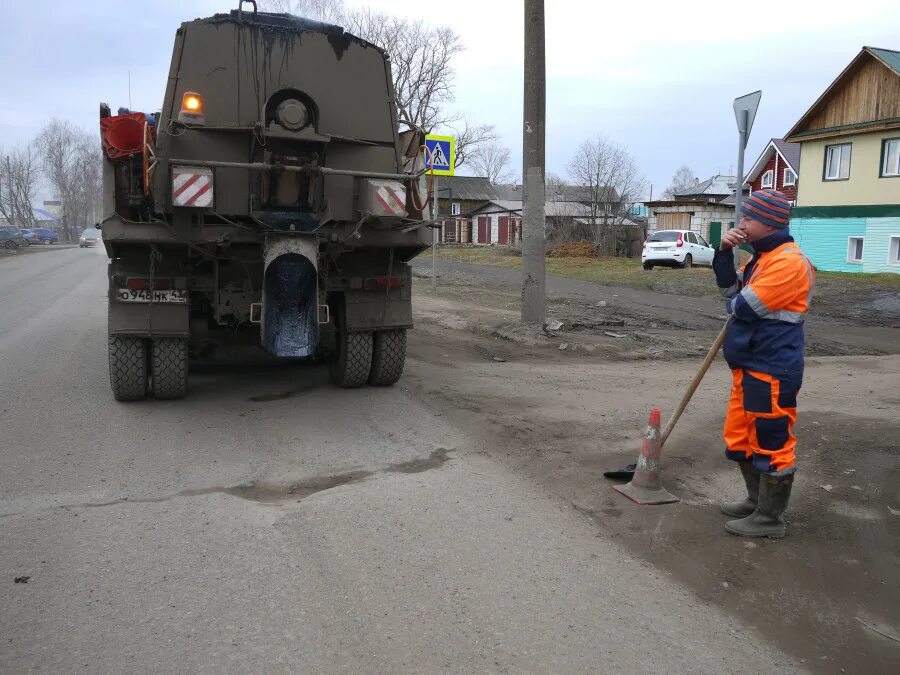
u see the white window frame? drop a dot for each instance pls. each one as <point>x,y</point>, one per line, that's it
<point>851,250</point>
<point>793,180</point>
<point>607,208</point>
<point>884,158</point>
<point>844,147</point>
<point>455,208</point>
<point>894,250</point>
<point>770,175</point>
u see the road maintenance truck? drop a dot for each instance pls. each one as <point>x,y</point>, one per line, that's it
<point>271,201</point>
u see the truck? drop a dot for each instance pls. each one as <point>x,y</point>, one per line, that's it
<point>271,201</point>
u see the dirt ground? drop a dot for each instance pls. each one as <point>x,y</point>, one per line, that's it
<point>563,407</point>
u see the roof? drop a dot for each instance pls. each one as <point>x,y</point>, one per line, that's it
<point>727,201</point>
<point>478,188</point>
<point>718,185</point>
<point>888,57</point>
<point>500,206</point>
<point>552,208</point>
<point>41,214</point>
<point>469,188</point>
<point>730,200</point>
<point>790,153</point>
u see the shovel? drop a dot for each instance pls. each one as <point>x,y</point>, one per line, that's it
<point>707,362</point>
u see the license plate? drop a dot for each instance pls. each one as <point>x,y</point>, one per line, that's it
<point>177,297</point>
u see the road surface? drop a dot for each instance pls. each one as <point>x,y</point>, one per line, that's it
<point>270,523</point>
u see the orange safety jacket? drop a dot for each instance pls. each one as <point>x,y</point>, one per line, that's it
<point>767,303</point>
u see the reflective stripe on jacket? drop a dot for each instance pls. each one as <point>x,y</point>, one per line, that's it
<point>768,303</point>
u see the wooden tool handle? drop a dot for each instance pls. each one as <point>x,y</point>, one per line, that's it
<point>707,362</point>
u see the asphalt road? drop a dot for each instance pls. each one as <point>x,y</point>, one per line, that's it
<point>270,523</point>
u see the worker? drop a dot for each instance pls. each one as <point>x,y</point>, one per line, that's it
<point>767,302</point>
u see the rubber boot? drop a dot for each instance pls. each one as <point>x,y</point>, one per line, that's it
<point>767,520</point>
<point>746,506</point>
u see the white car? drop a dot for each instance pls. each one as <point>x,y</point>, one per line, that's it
<point>676,248</point>
<point>89,238</point>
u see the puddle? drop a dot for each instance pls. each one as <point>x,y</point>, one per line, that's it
<point>263,493</point>
<point>269,493</point>
<point>433,461</point>
<point>265,398</point>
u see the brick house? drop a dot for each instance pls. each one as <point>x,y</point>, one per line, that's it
<point>777,168</point>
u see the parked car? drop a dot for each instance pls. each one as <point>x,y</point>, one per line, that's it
<point>44,236</point>
<point>30,236</point>
<point>11,238</point>
<point>90,237</point>
<point>676,248</point>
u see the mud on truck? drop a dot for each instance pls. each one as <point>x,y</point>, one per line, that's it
<point>271,201</point>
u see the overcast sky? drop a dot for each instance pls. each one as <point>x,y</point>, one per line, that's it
<point>656,77</point>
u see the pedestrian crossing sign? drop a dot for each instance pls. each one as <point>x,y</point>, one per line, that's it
<point>441,155</point>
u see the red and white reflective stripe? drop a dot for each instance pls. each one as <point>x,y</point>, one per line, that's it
<point>192,187</point>
<point>392,200</point>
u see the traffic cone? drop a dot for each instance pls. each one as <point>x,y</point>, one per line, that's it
<point>645,487</point>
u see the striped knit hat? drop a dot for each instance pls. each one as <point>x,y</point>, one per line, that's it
<point>769,207</point>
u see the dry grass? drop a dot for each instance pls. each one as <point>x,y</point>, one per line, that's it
<point>605,271</point>
<point>628,272</point>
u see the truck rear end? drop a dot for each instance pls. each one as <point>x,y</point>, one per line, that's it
<point>271,201</point>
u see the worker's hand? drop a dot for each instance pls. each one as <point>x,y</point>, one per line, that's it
<point>731,239</point>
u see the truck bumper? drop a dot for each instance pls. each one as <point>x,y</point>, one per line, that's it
<point>148,320</point>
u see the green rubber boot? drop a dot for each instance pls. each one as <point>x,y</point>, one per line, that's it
<point>768,519</point>
<point>746,506</point>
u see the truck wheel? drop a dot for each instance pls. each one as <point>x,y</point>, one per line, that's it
<point>169,366</point>
<point>127,368</point>
<point>354,360</point>
<point>388,357</point>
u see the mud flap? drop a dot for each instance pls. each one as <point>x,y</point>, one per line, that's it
<point>290,310</point>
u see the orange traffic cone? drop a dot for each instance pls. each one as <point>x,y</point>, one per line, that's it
<point>645,487</point>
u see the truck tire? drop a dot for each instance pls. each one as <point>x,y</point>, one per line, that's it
<point>388,357</point>
<point>354,360</point>
<point>127,368</point>
<point>169,367</point>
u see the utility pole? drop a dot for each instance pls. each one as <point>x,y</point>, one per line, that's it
<point>534,302</point>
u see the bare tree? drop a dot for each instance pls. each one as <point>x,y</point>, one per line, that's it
<point>20,174</point>
<point>71,159</point>
<point>492,160</point>
<point>555,180</point>
<point>612,185</point>
<point>683,179</point>
<point>471,139</point>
